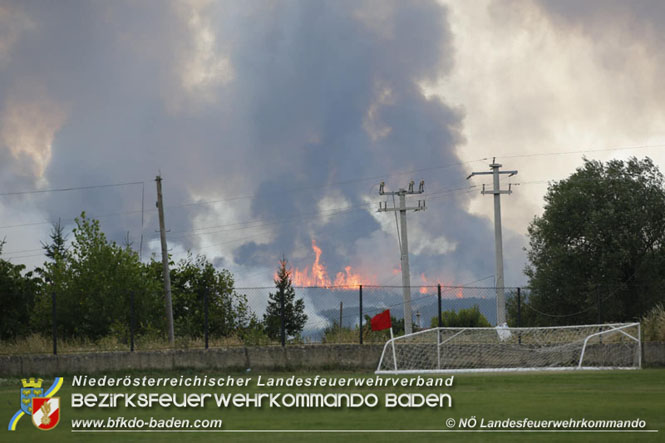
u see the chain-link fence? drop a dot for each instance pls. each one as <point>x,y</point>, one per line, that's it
<point>249,316</point>
<point>341,314</point>
<point>336,314</point>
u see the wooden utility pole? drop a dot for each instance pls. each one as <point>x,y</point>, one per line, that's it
<point>165,262</point>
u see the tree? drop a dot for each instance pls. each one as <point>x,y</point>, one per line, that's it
<point>16,298</point>
<point>598,251</point>
<point>57,249</point>
<point>464,318</point>
<point>191,280</point>
<point>524,316</point>
<point>294,310</point>
<point>398,325</point>
<point>54,275</point>
<point>93,281</point>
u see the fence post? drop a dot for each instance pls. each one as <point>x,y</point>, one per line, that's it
<point>438,289</point>
<point>55,327</point>
<point>205,316</point>
<point>519,307</point>
<point>519,314</point>
<point>360,321</point>
<point>282,319</point>
<point>131,321</point>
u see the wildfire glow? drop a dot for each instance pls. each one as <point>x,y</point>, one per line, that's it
<point>459,292</point>
<point>423,289</point>
<point>317,274</point>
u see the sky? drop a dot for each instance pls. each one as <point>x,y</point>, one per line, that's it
<point>273,122</point>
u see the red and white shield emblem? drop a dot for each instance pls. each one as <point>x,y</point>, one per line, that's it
<point>45,412</point>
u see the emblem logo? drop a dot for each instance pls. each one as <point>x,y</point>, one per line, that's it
<point>31,388</point>
<point>46,412</point>
<point>38,402</point>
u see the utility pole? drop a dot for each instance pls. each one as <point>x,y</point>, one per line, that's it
<point>403,241</point>
<point>498,242</point>
<point>165,261</point>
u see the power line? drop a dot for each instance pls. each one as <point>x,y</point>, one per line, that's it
<point>584,151</point>
<point>206,202</point>
<point>442,193</point>
<point>75,188</point>
<point>264,232</point>
<point>113,214</point>
<point>318,214</point>
<point>251,224</point>
<point>329,185</point>
<point>342,182</point>
<point>260,223</point>
<point>20,251</point>
<point>24,256</point>
<point>257,224</point>
<point>235,240</point>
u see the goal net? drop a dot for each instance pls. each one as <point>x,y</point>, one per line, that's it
<point>608,346</point>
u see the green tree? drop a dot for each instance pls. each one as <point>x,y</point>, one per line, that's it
<point>526,317</point>
<point>93,281</point>
<point>597,252</point>
<point>464,318</point>
<point>57,248</point>
<point>294,310</point>
<point>398,325</point>
<point>191,279</point>
<point>16,298</point>
<point>54,277</point>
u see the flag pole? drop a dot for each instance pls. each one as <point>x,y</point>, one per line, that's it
<point>392,341</point>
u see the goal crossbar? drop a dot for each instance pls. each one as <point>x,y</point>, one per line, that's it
<point>502,349</point>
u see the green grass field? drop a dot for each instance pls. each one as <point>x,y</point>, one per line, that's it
<point>590,395</point>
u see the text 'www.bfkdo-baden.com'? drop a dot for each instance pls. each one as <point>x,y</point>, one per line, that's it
<point>151,423</point>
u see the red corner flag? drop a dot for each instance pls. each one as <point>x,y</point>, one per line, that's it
<point>381,321</point>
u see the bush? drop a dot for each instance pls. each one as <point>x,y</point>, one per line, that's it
<point>254,334</point>
<point>464,318</point>
<point>191,279</point>
<point>16,298</point>
<point>653,324</point>
<point>335,334</point>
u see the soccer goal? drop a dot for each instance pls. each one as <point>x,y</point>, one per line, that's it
<point>439,350</point>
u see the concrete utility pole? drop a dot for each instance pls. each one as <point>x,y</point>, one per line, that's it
<point>498,242</point>
<point>404,244</point>
<point>165,261</point>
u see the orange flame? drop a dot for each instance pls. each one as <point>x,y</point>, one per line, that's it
<point>459,292</point>
<point>317,275</point>
<point>423,289</point>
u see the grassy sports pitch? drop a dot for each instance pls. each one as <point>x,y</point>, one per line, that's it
<point>591,395</point>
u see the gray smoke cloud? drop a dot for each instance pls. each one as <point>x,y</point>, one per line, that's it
<point>286,114</point>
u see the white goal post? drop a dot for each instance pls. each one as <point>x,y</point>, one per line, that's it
<point>446,350</point>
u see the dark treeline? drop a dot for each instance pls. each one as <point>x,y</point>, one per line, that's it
<point>94,279</point>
